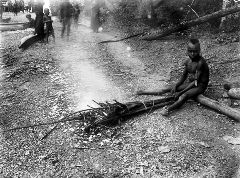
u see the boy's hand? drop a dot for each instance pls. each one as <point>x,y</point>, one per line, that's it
<point>195,83</point>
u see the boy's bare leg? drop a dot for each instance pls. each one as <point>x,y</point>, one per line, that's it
<point>182,99</point>
<point>154,92</point>
<point>183,88</point>
<point>68,26</point>
<point>161,91</point>
<point>53,35</point>
<point>63,29</point>
<point>47,36</point>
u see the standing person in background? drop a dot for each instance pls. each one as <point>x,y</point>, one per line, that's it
<point>27,8</point>
<point>15,8</point>
<point>95,16</point>
<point>76,14</point>
<point>66,12</point>
<point>48,27</point>
<point>21,5</point>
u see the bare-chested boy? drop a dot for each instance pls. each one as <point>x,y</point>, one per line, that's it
<point>196,71</point>
<point>48,27</point>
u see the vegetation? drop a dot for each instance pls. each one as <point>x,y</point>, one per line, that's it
<point>165,13</point>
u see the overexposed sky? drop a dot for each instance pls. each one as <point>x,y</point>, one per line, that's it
<point>46,5</point>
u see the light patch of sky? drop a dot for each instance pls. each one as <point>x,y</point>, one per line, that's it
<point>46,4</point>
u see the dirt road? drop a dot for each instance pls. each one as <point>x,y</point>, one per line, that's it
<point>67,75</point>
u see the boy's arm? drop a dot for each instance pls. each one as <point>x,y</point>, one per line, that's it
<point>182,79</point>
<point>168,88</point>
<point>198,73</point>
<point>154,92</point>
<point>191,85</point>
<point>165,90</point>
<point>61,15</point>
<point>49,19</point>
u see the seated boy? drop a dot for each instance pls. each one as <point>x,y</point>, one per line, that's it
<point>196,70</point>
<point>31,23</point>
<point>48,21</point>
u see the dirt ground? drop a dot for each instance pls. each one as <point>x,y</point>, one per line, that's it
<point>48,81</point>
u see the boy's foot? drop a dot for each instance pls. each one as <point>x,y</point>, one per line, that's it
<point>164,111</point>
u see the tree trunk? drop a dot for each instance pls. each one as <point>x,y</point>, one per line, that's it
<point>28,41</point>
<point>39,25</point>
<point>192,23</point>
<point>223,109</point>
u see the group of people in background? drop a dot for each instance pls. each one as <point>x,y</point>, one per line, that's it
<point>17,6</point>
<point>68,13</point>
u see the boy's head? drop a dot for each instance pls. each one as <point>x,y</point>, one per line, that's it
<point>28,16</point>
<point>193,49</point>
<point>46,11</point>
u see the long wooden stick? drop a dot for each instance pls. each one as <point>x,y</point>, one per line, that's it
<point>194,11</point>
<point>70,117</point>
<point>49,132</point>
<point>189,10</point>
<point>125,38</point>
<point>36,125</point>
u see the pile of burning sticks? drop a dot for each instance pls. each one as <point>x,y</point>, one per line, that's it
<point>107,114</point>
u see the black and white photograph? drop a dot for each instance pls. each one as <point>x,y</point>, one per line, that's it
<point>120,89</point>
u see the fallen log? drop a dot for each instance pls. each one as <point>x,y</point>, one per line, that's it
<point>221,108</point>
<point>29,40</point>
<point>198,21</point>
